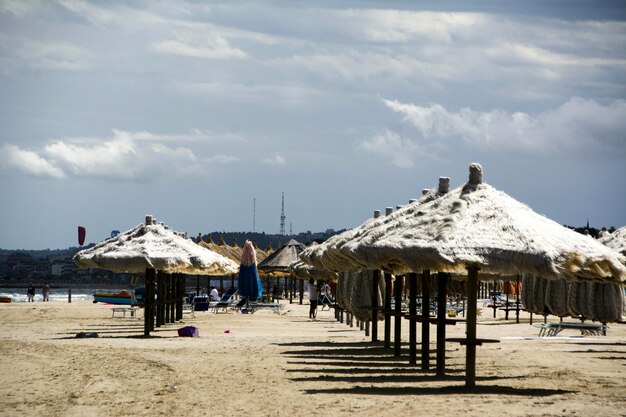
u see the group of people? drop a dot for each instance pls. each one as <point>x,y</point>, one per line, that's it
<point>45,291</point>
<point>317,290</point>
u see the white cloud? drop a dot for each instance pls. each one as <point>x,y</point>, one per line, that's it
<point>18,7</point>
<point>352,65</point>
<point>47,54</point>
<point>389,145</point>
<point>403,25</point>
<point>125,156</point>
<point>577,125</point>
<point>214,48</point>
<point>21,161</point>
<point>275,160</point>
<point>256,93</point>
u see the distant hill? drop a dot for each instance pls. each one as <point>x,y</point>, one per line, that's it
<point>263,240</point>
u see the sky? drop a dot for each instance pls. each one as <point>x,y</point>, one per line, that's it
<point>203,113</point>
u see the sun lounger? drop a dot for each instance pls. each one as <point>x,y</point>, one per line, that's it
<point>325,302</point>
<point>586,329</point>
<point>254,306</point>
<point>123,310</point>
<point>225,301</point>
<point>188,305</point>
<point>200,303</point>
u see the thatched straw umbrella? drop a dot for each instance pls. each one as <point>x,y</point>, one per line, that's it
<point>279,262</point>
<point>616,240</point>
<point>329,255</point>
<point>305,272</point>
<point>476,227</point>
<point>153,247</point>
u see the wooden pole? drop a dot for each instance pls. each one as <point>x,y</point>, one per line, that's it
<point>179,296</point>
<point>397,320</point>
<point>374,316</point>
<point>168,297</point>
<point>412,322</point>
<point>149,302</point>
<point>172,286</point>
<point>517,299</point>
<point>441,324</point>
<point>425,319</point>
<point>470,352</point>
<point>387,311</point>
<point>160,298</point>
<point>301,295</point>
<point>69,295</point>
<point>494,298</point>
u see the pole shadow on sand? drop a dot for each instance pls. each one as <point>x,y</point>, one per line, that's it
<point>366,363</point>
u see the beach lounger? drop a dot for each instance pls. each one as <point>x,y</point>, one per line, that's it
<point>225,301</point>
<point>586,329</point>
<point>200,303</point>
<point>188,305</point>
<point>325,302</point>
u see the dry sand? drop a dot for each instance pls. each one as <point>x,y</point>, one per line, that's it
<point>287,365</point>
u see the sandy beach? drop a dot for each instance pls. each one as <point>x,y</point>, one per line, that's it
<point>267,364</point>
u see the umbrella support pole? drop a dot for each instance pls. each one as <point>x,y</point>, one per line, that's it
<point>148,302</point>
<point>412,323</point>
<point>375,279</point>
<point>168,297</point>
<point>470,353</point>
<point>180,293</point>
<point>425,319</point>
<point>441,325</point>
<point>301,295</point>
<point>517,299</point>
<point>397,321</point>
<point>387,308</point>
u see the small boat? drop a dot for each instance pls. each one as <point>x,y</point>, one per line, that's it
<point>5,299</point>
<point>120,298</point>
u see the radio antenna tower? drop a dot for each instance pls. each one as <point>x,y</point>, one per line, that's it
<point>254,215</point>
<point>282,218</point>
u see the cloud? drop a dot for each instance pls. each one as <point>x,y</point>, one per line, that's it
<point>125,156</point>
<point>578,125</point>
<point>214,48</point>
<point>18,7</point>
<point>254,93</point>
<point>389,145</point>
<point>351,64</point>
<point>22,161</point>
<point>47,54</point>
<point>275,160</point>
<point>402,25</point>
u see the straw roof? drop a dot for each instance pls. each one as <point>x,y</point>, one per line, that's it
<point>153,246</point>
<point>305,271</point>
<point>232,252</point>
<point>616,240</point>
<point>282,258</point>
<point>328,255</point>
<point>475,224</point>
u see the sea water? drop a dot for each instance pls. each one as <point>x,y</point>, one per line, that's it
<point>56,294</point>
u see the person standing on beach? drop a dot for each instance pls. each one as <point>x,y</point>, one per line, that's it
<point>30,292</point>
<point>313,297</point>
<point>46,291</point>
